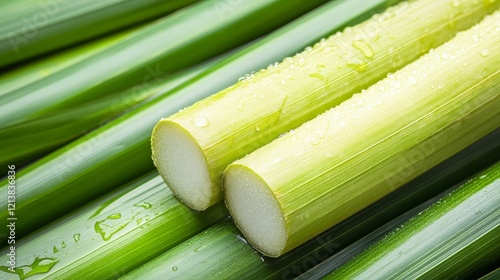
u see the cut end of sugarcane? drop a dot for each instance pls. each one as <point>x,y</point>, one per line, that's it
<point>182,164</point>
<point>255,210</point>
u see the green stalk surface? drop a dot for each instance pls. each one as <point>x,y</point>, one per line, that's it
<point>258,109</point>
<point>24,75</point>
<point>29,28</point>
<point>177,41</point>
<point>32,139</point>
<point>119,151</point>
<point>358,152</point>
<point>455,238</point>
<point>495,274</point>
<point>110,236</point>
<point>221,252</point>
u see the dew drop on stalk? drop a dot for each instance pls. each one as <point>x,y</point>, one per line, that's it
<point>144,205</point>
<point>485,53</point>
<point>445,56</point>
<point>55,250</point>
<point>174,268</point>
<point>412,80</point>
<point>200,121</point>
<point>39,266</point>
<point>63,244</point>
<point>76,237</point>
<point>327,49</point>
<point>283,82</point>
<point>241,105</point>
<point>302,62</point>
<point>364,48</point>
<point>320,67</point>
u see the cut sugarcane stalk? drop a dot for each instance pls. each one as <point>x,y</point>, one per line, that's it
<point>312,178</point>
<point>193,147</point>
<point>221,253</point>
<point>109,149</point>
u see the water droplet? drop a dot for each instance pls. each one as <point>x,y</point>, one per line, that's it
<point>364,48</point>
<point>39,266</point>
<point>174,268</point>
<point>327,50</point>
<point>55,250</point>
<point>241,105</point>
<point>254,95</point>
<point>302,62</point>
<point>76,237</point>
<point>257,128</point>
<point>111,225</point>
<point>319,76</point>
<point>412,80</point>
<point>485,53</point>
<point>115,216</point>
<point>63,244</point>
<point>200,121</point>
<point>139,221</point>
<point>241,238</point>
<point>292,66</point>
<point>445,56</point>
<point>283,82</point>
<point>320,67</point>
<point>455,3</point>
<point>144,205</point>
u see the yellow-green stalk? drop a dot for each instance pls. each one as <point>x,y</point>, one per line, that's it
<point>193,147</point>
<point>303,183</point>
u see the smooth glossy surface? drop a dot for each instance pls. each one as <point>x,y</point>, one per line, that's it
<point>29,28</point>
<point>456,237</point>
<point>112,235</point>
